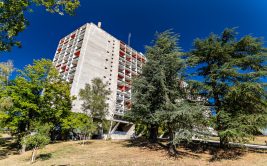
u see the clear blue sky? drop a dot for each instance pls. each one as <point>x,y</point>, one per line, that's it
<point>189,18</point>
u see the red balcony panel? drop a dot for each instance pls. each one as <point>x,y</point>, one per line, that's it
<point>120,76</point>
<point>73,36</point>
<point>122,53</point>
<point>128,59</point>
<point>77,53</point>
<point>122,88</point>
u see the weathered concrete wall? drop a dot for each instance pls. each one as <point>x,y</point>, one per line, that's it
<point>99,58</point>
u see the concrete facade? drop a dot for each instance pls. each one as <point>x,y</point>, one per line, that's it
<point>91,52</point>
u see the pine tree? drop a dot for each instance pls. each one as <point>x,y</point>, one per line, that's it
<point>233,69</point>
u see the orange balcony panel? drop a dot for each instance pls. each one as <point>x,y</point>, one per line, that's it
<point>128,59</point>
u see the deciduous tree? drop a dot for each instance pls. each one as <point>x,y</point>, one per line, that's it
<point>13,20</point>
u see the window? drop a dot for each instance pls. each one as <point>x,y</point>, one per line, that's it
<point>106,67</point>
<point>106,59</point>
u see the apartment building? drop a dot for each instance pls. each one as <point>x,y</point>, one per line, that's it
<point>91,52</point>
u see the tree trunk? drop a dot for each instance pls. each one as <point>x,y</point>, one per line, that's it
<point>33,155</point>
<point>153,133</point>
<point>224,143</point>
<point>172,148</point>
<point>100,130</point>
<point>83,139</point>
<point>23,149</point>
<point>109,131</point>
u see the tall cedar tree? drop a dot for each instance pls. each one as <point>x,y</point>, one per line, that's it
<point>233,70</point>
<point>160,96</point>
<point>13,21</point>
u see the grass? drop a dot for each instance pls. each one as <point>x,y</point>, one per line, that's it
<point>132,153</point>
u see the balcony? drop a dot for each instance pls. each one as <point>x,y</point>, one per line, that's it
<point>122,54</point>
<point>128,59</point>
<point>119,97</point>
<point>120,82</point>
<point>128,67</point>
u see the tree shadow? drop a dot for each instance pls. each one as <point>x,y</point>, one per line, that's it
<point>85,143</point>
<point>226,154</point>
<point>44,157</point>
<point>159,146</point>
<point>7,147</point>
<point>215,151</point>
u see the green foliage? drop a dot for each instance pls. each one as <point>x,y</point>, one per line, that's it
<point>37,95</point>
<point>160,97</point>
<point>6,68</point>
<point>232,70</point>
<point>94,99</point>
<point>79,123</point>
<point>13,21</point>
<point>35,141</point>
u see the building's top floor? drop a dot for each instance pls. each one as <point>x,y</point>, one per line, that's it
<point>82,29</point>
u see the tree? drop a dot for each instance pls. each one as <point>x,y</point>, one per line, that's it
<point>37,138</point>
<point>37,95</point>
<point>232,70</point>
<point>13,21</point>
<point>94,99</point>
<point>80,124</point>
<point>160,97</point>
<point>25,92</point>
<point>6,68</point>
<point>56,103</point>
<point>6,103</point>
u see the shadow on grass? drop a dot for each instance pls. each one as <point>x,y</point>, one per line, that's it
<point>85,143</point>
<point>159,146</point>
<point>44,157</point>
<point>192,150</point>
<point>7,147</point>
<point>216,152</point>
